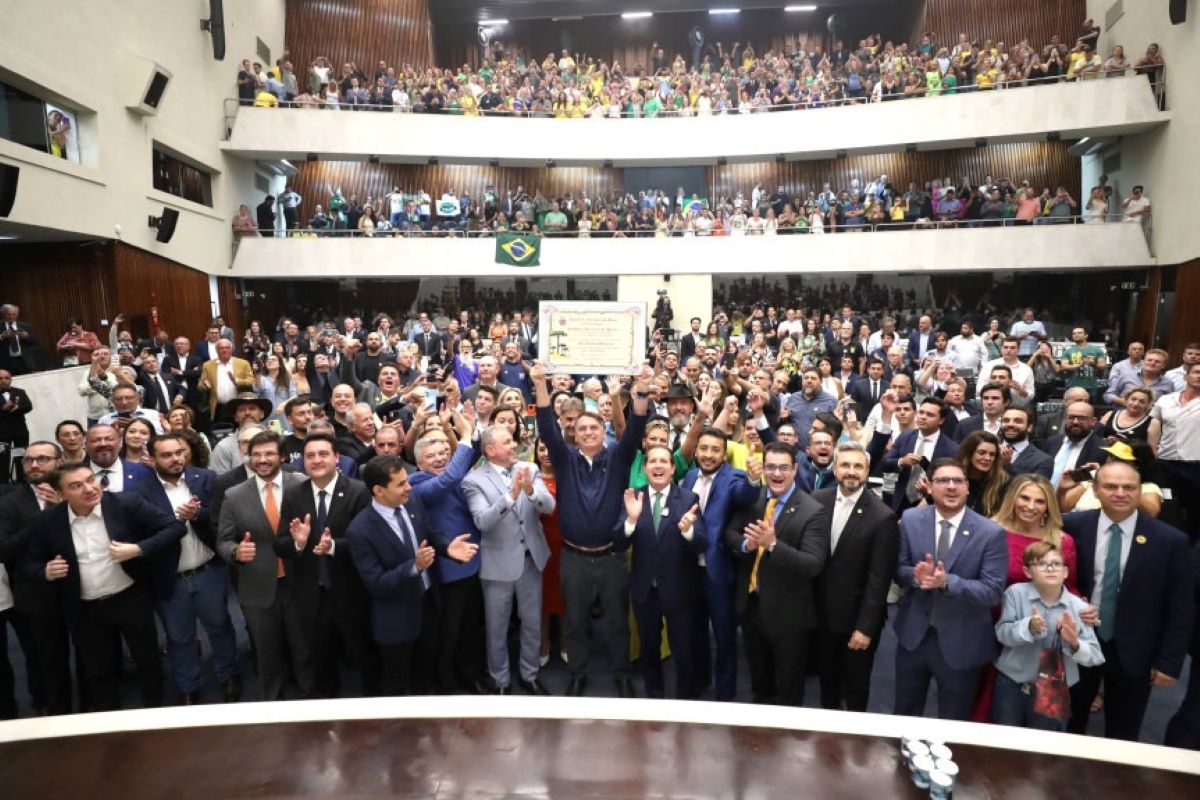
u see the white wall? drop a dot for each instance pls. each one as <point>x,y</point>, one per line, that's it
<point>1056,246</point>
<point>83,54</point>
<point>1078,109</point>
<point>55,397</point>
<point>1163,160</point>
<point>691,295</point>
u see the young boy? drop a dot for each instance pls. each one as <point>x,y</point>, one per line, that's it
<point>1033,613</point>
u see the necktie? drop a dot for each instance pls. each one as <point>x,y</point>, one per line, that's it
<point>943,542</point>
<point>874,390</point>
<point>915,472</point>
<point>104,481</point>
<point>160,390</point>
<point>14,344</point>
<point>656,512</point>
<point>1110,585</point>
<point>768,516</point>
<point>323,575</point>
<point>406,526</point>
<point>1061,459</point>
<point>271,507</point>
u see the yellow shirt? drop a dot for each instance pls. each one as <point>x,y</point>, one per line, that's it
<point>1076,60</point>
<point>265,99</point>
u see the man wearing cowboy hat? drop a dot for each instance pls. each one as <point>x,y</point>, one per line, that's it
<point>246,408</point>
<point>681,405</point>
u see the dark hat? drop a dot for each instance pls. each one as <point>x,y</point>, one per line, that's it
<point>264,405</point>
<point>679,391</point>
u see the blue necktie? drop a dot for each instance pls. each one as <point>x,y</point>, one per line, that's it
<point>406,526</point>
<point>324,578</point>
<point>1110,584</point>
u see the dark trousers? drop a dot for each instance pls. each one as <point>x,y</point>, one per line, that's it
<point>282,646</point>
<point>410,667</point>
<point>461,661</point>
<point>103,623</point>
<point>916,668</point>
<point>8,686</point>
<point>1125,697</point>
<point>586,578</point>
<point>1184,728</point>
<point>845,674</point>
<point>777,661</point>
<point>1184,479</point>
<point>22,626</point>
<point>650,614</point>
<point>342,627</point>
<point>718,611</point>
<point>49,655</point>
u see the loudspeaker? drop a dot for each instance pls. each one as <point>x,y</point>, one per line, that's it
<point>1177,10</point>
<point>144,85</point>
<point>8,188</point>
<point>215,25</point>
<point>165,224</point>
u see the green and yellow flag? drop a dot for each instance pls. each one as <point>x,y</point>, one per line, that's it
<point>518,249</point>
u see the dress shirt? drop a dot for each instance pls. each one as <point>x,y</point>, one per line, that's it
<point>1018,448</point>
<point>99,575</point>
<point>967,353</point>
<point>277,481</point>
<point>6,597</point>
<point>650,496</point>
<point>1180,427</point>
<point>506,475</point>
<point>703,487</point>
<point>148,414</point>
<point>1176,377</point>
<point>843,506</point>
<point>955,523</point>
<point>1076,449</point>
<point>192,551</point>
<point>1021,373</point>
<point>925,445</point>
<point>226,384</point>
<point>780,502</point>
<point>1102,535</point>
<point>1022,649</point>
<point>316,493</point>
<point>1119,372</point>
<point>116,475</point>
<point>410,536</point>
<point>991,426</point>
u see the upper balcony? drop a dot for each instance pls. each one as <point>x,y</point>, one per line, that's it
<point>1067,110</point>
<point>1113,245</point>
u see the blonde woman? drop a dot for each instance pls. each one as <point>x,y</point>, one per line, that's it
<point>1030,513</point>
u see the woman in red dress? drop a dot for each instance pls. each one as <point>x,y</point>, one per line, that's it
<point>552,604</point>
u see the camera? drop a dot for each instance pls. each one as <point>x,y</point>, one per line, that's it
<point>661,292</point>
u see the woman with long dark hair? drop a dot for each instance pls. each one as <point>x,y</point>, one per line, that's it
<point>979,455</point>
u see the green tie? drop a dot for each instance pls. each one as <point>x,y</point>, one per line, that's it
<point>1110,584</point>
<point>656,512</point>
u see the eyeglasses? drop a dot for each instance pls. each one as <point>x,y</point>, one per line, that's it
<point>1077,418</point>
<point>38,459</point>
<point>1048,566</point>
<point>949,481</point>
<point>777,469</point>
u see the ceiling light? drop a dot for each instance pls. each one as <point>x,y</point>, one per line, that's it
<point>804,7</point>
<point>636,14</point>
<point>492,23</point>
<point>715,11</point>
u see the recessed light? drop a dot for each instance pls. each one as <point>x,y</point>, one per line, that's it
<point>636,14</point>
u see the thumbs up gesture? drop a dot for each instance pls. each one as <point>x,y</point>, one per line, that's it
<point>1037,625</point>
<point>689,519</point>
<point>245,550</point>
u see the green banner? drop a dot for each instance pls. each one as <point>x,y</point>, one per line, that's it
<point>518,249</point>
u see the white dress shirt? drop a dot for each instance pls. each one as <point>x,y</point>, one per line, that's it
<point>316,493</point>
<point>650,494</point>
<point>925,445</point>
<point>955,524</point>
<point>277,482</point>
<point>192,551</point>
<point>116,475</point>
<point>1101,553</point>
<point>6,597</point>
<point>226,384</point>
<point>843,507</point>
<point>99,575</point>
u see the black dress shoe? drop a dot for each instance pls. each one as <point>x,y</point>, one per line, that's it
<point>478,686</point>
<point>534,686</point>
<point>625,688</point>
<point>189,699</point>
<point>503,690</point>
<point>232,689</point>
<point>577,687</point>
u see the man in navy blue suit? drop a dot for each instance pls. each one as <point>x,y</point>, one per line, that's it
<point>926,442</point>
<point>390,544</point>
<point>721,490</point>
<point>952,567</point>
<point>113,474</point>
<point>920,341</point>
<point>867,390</point>
<point>193,582</point>
<point>663,525</point>
<point>1136,572</point>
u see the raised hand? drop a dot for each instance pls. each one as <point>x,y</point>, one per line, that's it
<point>633,504</point>
<point>537,372</point>
<point>300,529</point>
<point>754,468</point>
<point>689,519</point>
<point>1068,630</point>
<point>245,550</point>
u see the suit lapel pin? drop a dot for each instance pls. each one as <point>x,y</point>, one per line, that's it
<point>966,532</point>
<point>1140,539</point>
<point>858,511</point>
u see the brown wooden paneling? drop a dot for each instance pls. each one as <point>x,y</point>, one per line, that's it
<point>1042,163</point>
<point>1007,22</point>
<point>1183,328</point>
<point>316,180</point>
<point>361,32</point>
<point>146,279</point>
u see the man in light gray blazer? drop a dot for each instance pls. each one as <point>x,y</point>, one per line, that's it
<point>505,499</point>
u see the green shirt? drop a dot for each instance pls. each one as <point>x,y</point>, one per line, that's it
<point>1087,376</point>
<point>652,107</point>
<point>556,220</point>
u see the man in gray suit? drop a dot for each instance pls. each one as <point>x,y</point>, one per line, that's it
<point>246,539</point>
<point>505,500</point>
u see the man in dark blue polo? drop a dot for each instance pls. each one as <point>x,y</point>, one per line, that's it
<point>592,478</point>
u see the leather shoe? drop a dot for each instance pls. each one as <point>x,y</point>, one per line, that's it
<point>189,699</point>
<point>577,687</point>
<point>534,686</point>
<point>232,689</point>
<point>503,690</point>
<point>625,688</point>
<point>479,686</point>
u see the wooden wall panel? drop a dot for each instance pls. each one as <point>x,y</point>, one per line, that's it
<point>316,180</point>
<point>1042,163</point>
<point>1007,22</point>
<point>361,31</point>
<point>146,279</point>
<point>1182,328</point>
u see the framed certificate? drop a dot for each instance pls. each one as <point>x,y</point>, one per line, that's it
<point>591,338</point>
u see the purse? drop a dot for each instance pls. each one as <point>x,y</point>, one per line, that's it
<point>1052,698</point>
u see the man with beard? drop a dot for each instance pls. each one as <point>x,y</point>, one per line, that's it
<point>1016,453</point>
<point>815,465</point>
<point>299,414</point>
<point>1077,444</point>
<point>367,361</point>
<point>680,407</point>
<point>811,400</point>
<point>247,409</point>
<point>112,474</point>
<point>721,490</point>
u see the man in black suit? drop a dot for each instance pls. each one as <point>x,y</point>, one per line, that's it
<point>1136,572</point>
<point>160,390</point>
<point>1050,421</point>
<point>35,617</point>
<point>185,366</point>
<point>864,540</point>
<point>430,343</point>
<point>926,442</point>
<point>1078,444</point>
<point>781,543</point>
<point>662,524</point>
<point>17,341</point>
<point>330,597</point>
<point>14,405</point>
<point>994,400</point>
<point>1019,456</point>
<point>867,390</point>
<point>105,592</point>
<point>691,341</point>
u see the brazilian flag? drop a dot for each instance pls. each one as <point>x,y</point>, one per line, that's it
<point>518,249</point>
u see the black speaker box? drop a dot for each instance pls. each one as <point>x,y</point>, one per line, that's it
<point>216,27</point>
<point>1177,10</point>
<point>166,226</point>
<point>8,188</point>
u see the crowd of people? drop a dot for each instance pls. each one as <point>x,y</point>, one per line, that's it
<point>739,80</point>
<point>877,204</point>
<point>388,492</point>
